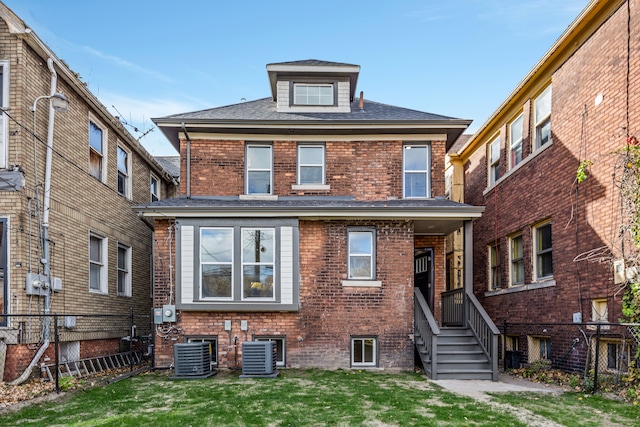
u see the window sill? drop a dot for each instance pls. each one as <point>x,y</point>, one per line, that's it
<point>513,170</point>
<point>521,288</point>
<point>97,292</point>
<point>257,197</point>
<point>362,283</point>
<point>311,187</point>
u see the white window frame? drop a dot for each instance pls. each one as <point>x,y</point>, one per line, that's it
<point>538,253</point>
<point>300,98</point>
<point>494,161</point>
<point>515,140</point>
<point>351,232</point>
<point>4,124</point>
<point>426,172</point>
<point>541,120</point>
<point>105,148</point>
<point>244,263</point>
<point>280,340</point>
<point>494,269</point>
<point>599,310</point>
<point>154,196</point>
<point>102,264</point>
<point>125,173</point>
<point>221,263</point>
<point>513,261</point>
<point>358,358</point>
<point>123,287</point>
<point>302,165</point>
<point>249,168</point>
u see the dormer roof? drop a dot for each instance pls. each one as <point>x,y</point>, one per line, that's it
<point>312,68</point>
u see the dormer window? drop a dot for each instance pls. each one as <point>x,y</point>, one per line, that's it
<point>313,94</point>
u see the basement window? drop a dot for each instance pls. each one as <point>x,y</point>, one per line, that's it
<point>280,347</point>
<point>213,346</point>
<point>364,351</point>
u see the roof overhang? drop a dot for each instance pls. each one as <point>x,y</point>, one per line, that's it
<point>173,128</point>
<point>428,220</point>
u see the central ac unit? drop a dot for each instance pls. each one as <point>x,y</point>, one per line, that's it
<point>259,359</point>
<point>192,360</point>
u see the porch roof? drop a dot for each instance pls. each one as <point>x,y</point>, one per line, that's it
<point>438,216</point>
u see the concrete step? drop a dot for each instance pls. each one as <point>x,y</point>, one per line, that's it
<point>466,374</point>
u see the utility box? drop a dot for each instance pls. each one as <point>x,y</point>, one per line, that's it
<point>157,315</point>
<point>168,313</point>
<point>37,284</point>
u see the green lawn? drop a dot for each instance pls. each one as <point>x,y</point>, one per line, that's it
<point>303,398</point>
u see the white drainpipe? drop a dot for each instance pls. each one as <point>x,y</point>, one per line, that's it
<point>45,233</point>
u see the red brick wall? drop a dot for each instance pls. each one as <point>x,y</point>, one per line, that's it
<point>368,170</point>
<point>585,216</point>
<point>319,334</point>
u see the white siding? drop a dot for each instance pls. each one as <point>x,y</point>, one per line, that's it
<point>186,264</point>
<point>286,265</point>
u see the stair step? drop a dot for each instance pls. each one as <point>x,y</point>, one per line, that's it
<point>467,374</point>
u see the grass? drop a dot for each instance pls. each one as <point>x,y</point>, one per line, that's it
<point>299,398</point>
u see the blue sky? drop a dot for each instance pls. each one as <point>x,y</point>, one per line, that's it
<point>145,59</point>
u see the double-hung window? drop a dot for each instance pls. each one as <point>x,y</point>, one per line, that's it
<point>364,351</point>
<point>494,268</point>
<point>416,171</point>
<point>124,178</point>
<point>155,188</point>
<point>258,263</point>
<point>543,251</point>
<point>97,263</point>
<point>216,262</point>
<point>313,94</point>
<point>361,253</point>
<point>4,101</point>
<point>517,260</point>
<point>97,150</point>
<point>494,161</point>
<point>542,117</point>
<point>238,264</point>
<point>515,140</point>
<point>124,270</point>
<point>259,169</point>
<point>311,164</point>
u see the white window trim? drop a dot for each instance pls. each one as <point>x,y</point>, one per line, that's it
<point>129,176</point>
<point>371,364</point>
<point>232,263</point>
<point>490,266</point>
<point>307,85</point>
<point>153,177</point>
<point>596,311</point>
<point>511,259</point>
<point>534,251</point>
<point>272,263</point>
<point>514,144</point>
<point>493,162</point>
<point>127,284</point>
<point>322,166</point>
<point>247,169</point>
<point>372,272</point>
<point>539,120</point>
<point>427,172</point>
<point>104,265</point>
<point>105,145</point>
<point>4,126</point>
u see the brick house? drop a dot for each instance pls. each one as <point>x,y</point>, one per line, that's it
<point>545,248</point>
<point>300,219</point>
<point>69,203</point>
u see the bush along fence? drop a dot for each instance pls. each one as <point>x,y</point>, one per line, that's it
<point>597,352</point>
<point>58,346</point>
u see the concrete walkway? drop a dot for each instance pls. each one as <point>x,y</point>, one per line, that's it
<point>477,389</point>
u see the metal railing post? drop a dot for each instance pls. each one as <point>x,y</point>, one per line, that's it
<point>56,351</point>
<point>131,334</point>
<point>597,361</point>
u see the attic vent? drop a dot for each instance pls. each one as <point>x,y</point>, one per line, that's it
<point>192,360</point>
<point>259,359</point>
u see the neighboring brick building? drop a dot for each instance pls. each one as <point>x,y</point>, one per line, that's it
<point>300,219</point>
<point>98,250</point>
<point>546,244</point>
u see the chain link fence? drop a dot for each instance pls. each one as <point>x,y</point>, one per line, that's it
<point>55,346</point>
<point>597,351</point>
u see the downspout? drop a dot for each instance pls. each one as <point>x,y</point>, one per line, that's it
<point>186,134</point>
<point>45,233</point>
